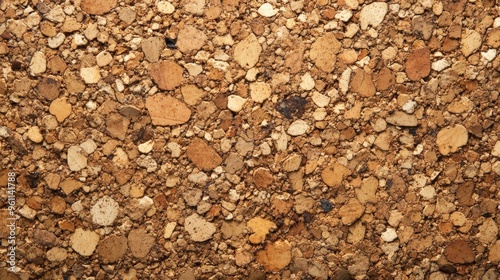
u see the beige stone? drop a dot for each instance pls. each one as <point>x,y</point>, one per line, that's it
<point>260,228</point>
<point>190,39</point>
<point>247,52</point>
<point>97,7</point>
<point>323,52</point>
<point>167,110</point>
<point>351,211</point>
<point>275,256</point>
<point>84,242</point>
<point>60,108</point>
<point>450,139</point>
<point>166,74</point>
<point>202,155</point>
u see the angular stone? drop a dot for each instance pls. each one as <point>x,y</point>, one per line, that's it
<point>192,94</point>
<point>58,205</point>
<point>260,228</point>
<point>167,110</point>
<point>140,242</point>
<point>275,256</point>
<point>471,41</point>
<point>450,139</point>
<point>494,254</point>
<point>402,119</point>
<point>117,125</point>
<point>60,108</point>
<point>104,211</point>
<point>90,75</point>
<point>459,251</point>
<point>38,63</point>
<point>297,128</point>
<point>384,79</point>
<point>260,91</point>
<point>494,38</point>
<point>198,228</point>
<point>195,7</point>
<point>48,88</point>
<point>70,185</point>
<point>247,52</point>
<point>235,103</point>
<point>323,52</point>
<point>292,163</point>
<point>166,74</point>
<point>34,134</point>
<point>267,10</point>
<point>488,231</point>
<point>418,64</point>
<point>112,249</point>
<point>190,39</point>
<point>97,7</point>
<point>84,242</point>
<point>202,155</point>
<point>351,211</point>
<point>56,254</point>
<point>372,14</point>
<point>362,84</point>
<point>152,48</point>
<point>334,174</point>
<point>262,177</point>
<point>76,159</point>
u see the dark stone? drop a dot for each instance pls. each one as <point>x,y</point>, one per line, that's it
<point>342,274</point>
<point>326,205</point>
<point>257,275</point>
<point>448,268</point>
<point>170,43</point>
<point>293,106</point>
<point>16,65</point>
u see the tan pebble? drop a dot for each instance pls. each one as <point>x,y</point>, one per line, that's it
<point>166,74</point>
<point>260,228</point>
<point>97,7</point>
<point>418,64</point>
<point>275,256</point>
<point>60,108</point>
<point>247,52</point>
<point>167,110</point>
<point>323,52</point>
<point>35,135</point>
<point>202,155</point>
<point>84,242</point>
<point>351,211</point>
<point>451,138</point>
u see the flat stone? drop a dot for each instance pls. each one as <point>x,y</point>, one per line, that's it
<point>57,254</point>
<point>384,79</point>
<point>304,204</point>
<point>267,10</point>
<point>298,127</point>
<point>496,149</point>
<point>169,230</point>
<point>307,82</point>
<point>247,52</point>
<point>418,64</point>
<point>104,211</point>
<point>488,231</point>
<point>117,125</point>
<point>152,47</point>
<point>372,14</point>
<point>48,88</point>
<point>292,162</point>
<point>450,139</point>
<point>459,251</point>
<point>260,91</point>
<point>190,39</point>
<point>334,174</point>
<point>166,74</point>
<point>38,63</point>
<point>195,7</point>
<point>362,84</point>
<point>471,41</point>
<point>389,235</point>
<point>235,103</point>
<point>70,185</point>
<point>260,228</point>
<point>34,134</point>
<point>140,242</point>
<point>97,7</point>
<point>494,252</point>
<point>112,249</point>
<point>262,177</point>
<point>494,38</point>
<point>400,118</point>
<point>351,211</point>
<point>60,108</point>
<point>167,110</point>
<point>58,205</point>
<point>324,50</point>
<point>192,94</point>
<point>90,75</point>
<point>275,256</point>
<point>127,15</point>
<point>203,155</point>
<point>165,7</point>
<point>198,228</point>
<point>84,242</point>
<point>76,159</point>
<point>104,58</point>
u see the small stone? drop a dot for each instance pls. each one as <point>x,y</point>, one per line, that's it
<point>56,41</point>
<point>494,38</point>
<point>235,103</point>
<point>140,242</point>
<point>418,64</point>
<point>166,110</point>
<point>324,50</point>
<point>90,75</point>
<point>84,242</point>
<point>58,205</point>
<point>458,219</point>
<point>97,7</point>
<point>80,40</point>
<point>459,251</point>
<point>34,134</point>
<point>297,128</point>
<point>247,52</point>
<point>496,150</point>
<point>38,63</point>
<point>192,197</point>
<point>326,206</point>
<point>351,211</point>
<point>117,125</point>
<point>104,211</point>
<point>471,41</point>
<point>76,160</point>
<point>166,74</point>
<point>451,138</point>
<point>70,185</point>
<point>103,58</point>
<point>402,119</point>
<point>195,7</point>
<point>202,155</point>
<point>334,174</point>
<point>165,7</point>
<point>112,249</point>
<point>389,235</point>
<point>260,91</point>
<point>320,100</point>
<point>190,39</point>
<point>307,82</point>
<point>275,256</point>
<point>260,228</point>
<point>169,230</point>
<point>262,177</point>
<point>127,15</point>
<point>304,204</point>
<point>267,10</point>
<point>489,55</point>
<point>494,254</point>
<point>488,231</point>
<point>60,108</point>
<point>192,94</point>
<point>428,192</point>
<point>362,84</point>
<point>372,14</point>
<point>152,47</point>
<point>343,15</point>
<point>146,147</point>
<point>292,163</point>
<point>440,65</point>
<point>199,230</point>
<point>57,254</point>
<point>48,88</point>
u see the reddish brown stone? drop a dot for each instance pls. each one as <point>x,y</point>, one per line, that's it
<point>202,155</point>
<point>459,251</point>
<point>418,64</point>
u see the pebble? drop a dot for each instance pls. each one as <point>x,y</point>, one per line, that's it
<point>459,251</point>
<point>496,150</point>
<point>90,75</point>
<point>103,58</point>
<point>146,147</point>
<point>471,41</point>
<point>152,48</point>
<point>307,82</point>
<point>275,256</point>
<point>440,65</point>
<point>418,64</point>
<point>60,109</point>
<point>494,252</point>
<point>260,228</point>
<point>324,50</point>
<point>140,242</point>
<point>351,211</point>
<point>198,228</point>
<point>235,103</point>
<point>247,52</point>
<point>196,7</point>
<point>402,119</point>
<point>165,7</point>
<point>57,254</point>
<point>334,174</point>
<point>117,125</point>
<point>260,91</point>
<point>389,235</point>
<point>112,248</point>
<point>84,242</point>
<point>202,155</point>
<point>99,7</point>
<point>80,40</point>
<point>292,163</point>
<point>35,135</point>
<point>372,14</point>
<point>166,74</point>
<point>297,128</point>
<point>38,64</point>
<point>267,10</point>
<point>56,41</point>
<point>450,139</point>
<point>190,39</point>
<point>104,211</point>
<point>166,110</point>
<point>76,160</point>
<point>362,83</point>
